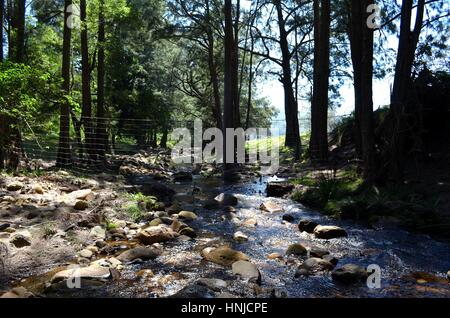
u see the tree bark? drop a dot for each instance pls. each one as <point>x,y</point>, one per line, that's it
<point>231,69</point>
<point>64,151</point>
<point>290,103</point>
<point>361,42</point>
<point>217,108</point>
<point>402,82</point>
<point>86,113</point>
<point>2,15</point>
<point>319,109</point>
<point>20,36</point>
<point>101,136</point>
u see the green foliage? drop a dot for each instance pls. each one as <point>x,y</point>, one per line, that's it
<point>24,90</point>
<point>134,212</point>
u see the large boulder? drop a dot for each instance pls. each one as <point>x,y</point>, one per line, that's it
<point>156,234</point>
<point>247,271</point>
<point>349,274</point>
<point>329,232</point>
<point>223,255</point>
<point>312,266</point>
<point>139,253</point>
<point>226,199</point>
<point>307,226</point>
<point>278,189</point>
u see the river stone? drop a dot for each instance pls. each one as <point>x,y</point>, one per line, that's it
<point>288,218</point>
<point>247,271</point>
<point>250,223</point>
<point>86,253</point>
<point>21,239</point>
<point>318,252</point>
<point>296,250</point>
<point>38,189</point>
<point>78,195</point>
<point>329,232</point>
<point>17,292</point>
<point>278,189</point>
<point>194,291</point>
<point>448,275</point>
<point>223,255</point>
<point>240,237</point>
<point>349,274</point>
<point>156,234</point>
<point>213,283</point>
<point>307,226</point>
<point>313,265</point>
<point>189,232</point>
<point>186,215</point>
<point>92,272</point>
<point>177,226</point>
<point>81,205</point>
<point>271,207</point>
<point>14,186</point>
<point>97,233</point>
<point>275,256</point>
<point>139,253</point>
<point>226,199</point>
<point>156,222</point>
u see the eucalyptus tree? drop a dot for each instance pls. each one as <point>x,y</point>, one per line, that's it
<point>282,33</point>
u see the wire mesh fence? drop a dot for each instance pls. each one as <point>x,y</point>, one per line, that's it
<point>103,143</point>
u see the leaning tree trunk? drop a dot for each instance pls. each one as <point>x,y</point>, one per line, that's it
<point>101,136</point>
<point>290,103</point>
<point>319,109</point>
<point>64,151</point>
<point>86,112</point>
<point>402,83</point>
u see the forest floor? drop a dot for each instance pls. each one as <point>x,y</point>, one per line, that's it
<point>136,228</point>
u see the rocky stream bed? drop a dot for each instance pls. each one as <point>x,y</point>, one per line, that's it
<point>199,237</point>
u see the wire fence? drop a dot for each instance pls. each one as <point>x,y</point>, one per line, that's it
<point>105,143</point>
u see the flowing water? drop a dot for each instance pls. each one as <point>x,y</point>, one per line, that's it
<point>400,255</point>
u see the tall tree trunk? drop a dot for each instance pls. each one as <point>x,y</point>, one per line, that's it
<point>235,70</point>
<point>20,32</point>
<point>86,112</point>
<point>2,15</point>
<point>64,152</point>
<point>229,87</point>
<point>319,108</point>
<point>101,136</point>
<point>361,42</point>
<point>217,108</point>
<point>11,21</point>
<point>290,103</point>
<point>402,82</point>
